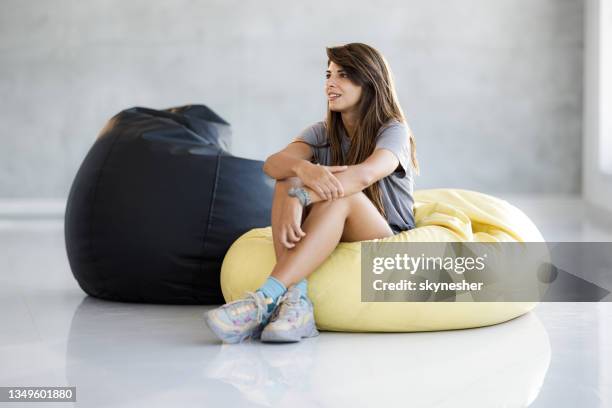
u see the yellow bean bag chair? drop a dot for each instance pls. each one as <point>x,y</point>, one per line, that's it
<point>441,215</point>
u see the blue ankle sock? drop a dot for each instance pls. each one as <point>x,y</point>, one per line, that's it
<point>272,288</point>
<point>303,287</point>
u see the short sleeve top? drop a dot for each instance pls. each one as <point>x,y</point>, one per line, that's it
<point>397,188</point>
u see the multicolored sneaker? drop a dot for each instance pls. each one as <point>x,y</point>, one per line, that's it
<point>292,320</point>
<point>241,319</point>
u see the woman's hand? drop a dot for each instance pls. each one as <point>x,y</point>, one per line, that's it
<point>321,179</point>
<point>290,229</point>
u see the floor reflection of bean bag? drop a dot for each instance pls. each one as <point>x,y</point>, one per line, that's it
<point>156,204</point>
<point>496,366</point>
<point>442,215</point>
<point>499,366</point>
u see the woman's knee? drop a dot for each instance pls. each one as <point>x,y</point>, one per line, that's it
<point>345,201</point>
<point>355,197</point>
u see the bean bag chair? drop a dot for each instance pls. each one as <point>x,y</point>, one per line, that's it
<point>157,202</point>
<point>441,215</point>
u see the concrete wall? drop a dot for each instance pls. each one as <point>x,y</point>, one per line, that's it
<point>597,153</point>
<point>492,89</point>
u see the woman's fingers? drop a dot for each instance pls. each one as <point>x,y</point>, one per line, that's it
<point>333,189</point>
<point>283,239</point>
<point>298,231</point>
<point>320,191</point>
<point>334,185</point>
<point>339,187</point>
<point>318,188</point>
<point>326,191</point>
<point>292,236</point>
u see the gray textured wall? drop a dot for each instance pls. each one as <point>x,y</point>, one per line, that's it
<point>492,89</point>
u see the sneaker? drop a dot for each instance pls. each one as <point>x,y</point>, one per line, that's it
<point>241,319</point>
<point>292,320</point>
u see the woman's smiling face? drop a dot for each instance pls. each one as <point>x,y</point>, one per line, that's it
<point>338,83</point>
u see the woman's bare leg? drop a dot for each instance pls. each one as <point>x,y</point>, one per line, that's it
<point>280,194</point>
<point>347,219</point>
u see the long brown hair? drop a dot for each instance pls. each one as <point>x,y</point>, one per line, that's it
<point>366,67</point>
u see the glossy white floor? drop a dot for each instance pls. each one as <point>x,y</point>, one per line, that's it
<point>128,355</point>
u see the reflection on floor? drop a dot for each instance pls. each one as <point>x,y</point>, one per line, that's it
<point>126,355</point>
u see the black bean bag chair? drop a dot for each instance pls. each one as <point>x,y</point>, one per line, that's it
<point>157,203</point>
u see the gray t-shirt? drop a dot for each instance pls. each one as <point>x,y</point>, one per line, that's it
<point>396,188</point>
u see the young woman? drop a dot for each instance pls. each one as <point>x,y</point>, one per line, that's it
<point>348,178</point>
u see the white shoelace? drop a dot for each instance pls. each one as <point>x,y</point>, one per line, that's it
<point>262,307</point>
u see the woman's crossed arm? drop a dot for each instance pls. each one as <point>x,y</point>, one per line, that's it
<point>329,182</point>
